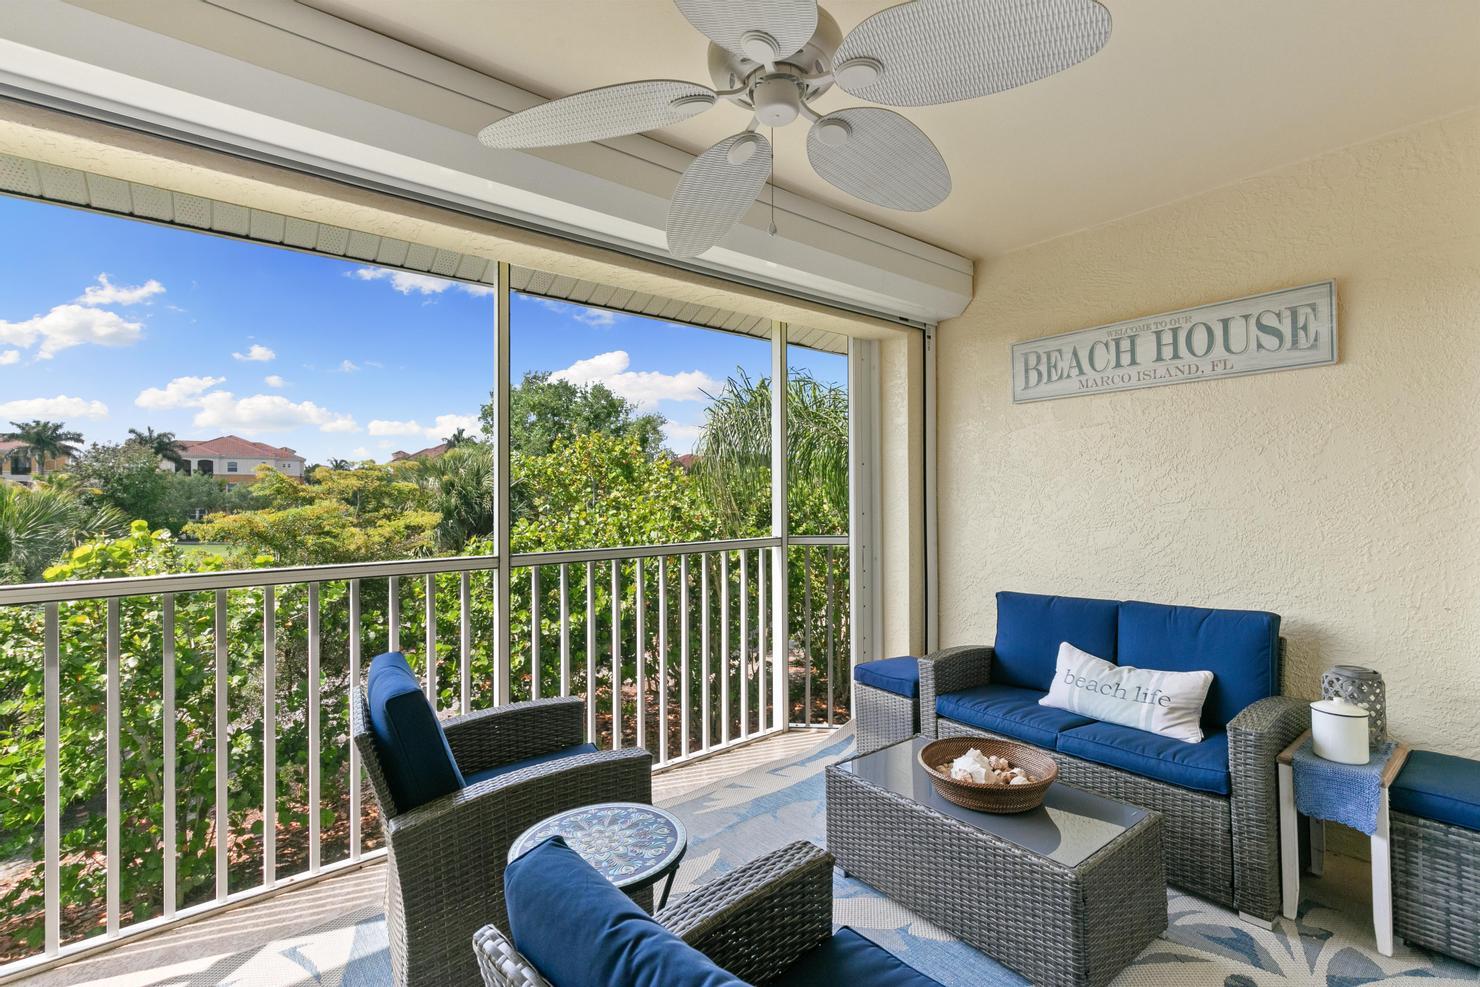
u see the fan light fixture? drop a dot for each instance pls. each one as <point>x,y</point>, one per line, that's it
<point>773,58</point>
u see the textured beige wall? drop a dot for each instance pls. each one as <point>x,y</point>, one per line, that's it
<point>1342,497</point>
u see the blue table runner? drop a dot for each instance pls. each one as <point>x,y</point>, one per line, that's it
<point>1344,793</point>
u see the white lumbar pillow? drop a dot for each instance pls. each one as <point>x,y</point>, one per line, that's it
<point>1168,703</point>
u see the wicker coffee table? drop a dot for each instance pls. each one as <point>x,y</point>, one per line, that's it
<point>1068,893</point>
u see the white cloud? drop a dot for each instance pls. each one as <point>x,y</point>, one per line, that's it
<point>360,452</point>
<point>348,367</point>
<point>597,318</point>
<point>256,353</point>
<point>182,392</point>
<point>411,282</point>
<point>60,407</point>
<point>71,325</point>
<point>266,413</point>
<point>441,427</point>
<point>644,388</point>
<point>105,292</point>
<point>9,356</point>
<point>273,380</point>
<point>681,438</point>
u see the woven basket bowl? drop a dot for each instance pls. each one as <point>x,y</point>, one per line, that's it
<point>1001,799</point>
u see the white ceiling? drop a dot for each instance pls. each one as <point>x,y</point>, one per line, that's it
<point>1188,95</point>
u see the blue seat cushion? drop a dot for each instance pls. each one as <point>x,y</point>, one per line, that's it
<point>413,750</point>
<point>1441,787</point>
<point>1031,627</point>
<point>900,676</point>
<point>1240,647</point>
<point>847,959</point>
<point>580,931</point>
<point>1202,767</point>
<point>530,762</point>
<point>1009,711</point>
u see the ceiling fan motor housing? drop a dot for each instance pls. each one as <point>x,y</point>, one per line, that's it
<point>778,99</point>
<point>731,71</point>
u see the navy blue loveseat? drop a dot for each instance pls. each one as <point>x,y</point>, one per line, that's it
<point>1218,797</point>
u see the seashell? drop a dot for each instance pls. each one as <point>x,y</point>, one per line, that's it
<point>1019,780</point>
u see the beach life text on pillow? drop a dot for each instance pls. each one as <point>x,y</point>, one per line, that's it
<point>1166,703</point>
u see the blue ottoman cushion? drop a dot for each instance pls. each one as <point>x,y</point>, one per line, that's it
<point>1240,647</point>
<point>414,755</point>
<point>847,959</point>
<point>900,676</point>
<point>1031,627</point>
<point>577,929</point>
<point>1202,767</point>
<point>530,762</point>
<point>1011,712</point>
<point>1441,787</point>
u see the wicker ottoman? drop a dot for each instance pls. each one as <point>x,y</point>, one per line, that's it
<point>1435,839</point>
<point>886,701</point>
<point>1067,894</point>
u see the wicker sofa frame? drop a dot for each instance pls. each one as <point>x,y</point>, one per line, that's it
<point>755,921</point>
<point>1436,885</point>
<point>1223,849</point>
<point>446,858</point>
<point>882,718</point>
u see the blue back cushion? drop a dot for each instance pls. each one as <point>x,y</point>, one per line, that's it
<point>1240,647</point>
<point>413,750</point>
<point>580,931</point>
<point>1031,627</point>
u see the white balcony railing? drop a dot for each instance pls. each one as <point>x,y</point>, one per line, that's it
<point>179,743</point>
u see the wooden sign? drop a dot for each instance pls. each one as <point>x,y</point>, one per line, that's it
<point>1278,330</point>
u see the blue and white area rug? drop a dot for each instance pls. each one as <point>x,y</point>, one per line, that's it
<point>739,818</point>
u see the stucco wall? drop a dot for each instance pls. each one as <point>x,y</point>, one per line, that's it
<point>1342,497</point>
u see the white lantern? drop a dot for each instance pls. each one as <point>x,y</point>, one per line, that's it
<point>1339,729</point>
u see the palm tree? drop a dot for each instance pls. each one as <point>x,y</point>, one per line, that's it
<point>162,444</point>
<point>733,461</point>
<point>38,526</point>
<point>340,465</point>
<point>457,438</point>
<point>461,486</point>
<point>43,440</point>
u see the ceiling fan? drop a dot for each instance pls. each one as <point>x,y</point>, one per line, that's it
<point>773,58</point>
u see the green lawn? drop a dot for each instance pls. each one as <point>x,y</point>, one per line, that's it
<point>219,549</point>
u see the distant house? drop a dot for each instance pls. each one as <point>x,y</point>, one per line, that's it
<point>430,452</point>
<point>18,465</point>
<point>234,459</point>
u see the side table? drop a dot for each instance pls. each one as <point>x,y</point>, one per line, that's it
<point>1382,868</point>
<point>631,844</point>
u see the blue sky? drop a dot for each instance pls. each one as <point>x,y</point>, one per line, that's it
<point>108,323</point>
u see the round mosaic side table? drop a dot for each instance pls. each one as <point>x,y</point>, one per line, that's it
<point>632,845</point>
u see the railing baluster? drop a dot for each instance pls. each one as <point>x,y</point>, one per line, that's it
<point>354,754</point>
<point>114,766</point>
<point>52,810</point>
<point>591,652</point>
<point>807,635</point>
<point>222,833</point>
<point>640,658</point>
<point>393,615</point>
<point>724,647</point>
<point>744,644</point>
<point>314,756</point>
<point>269,736</point>
<point>616,655</point>
<point>465,641</point>
<point>706,738</point>
<point>662,659</point>
<point>430,591</point>
<point>534,632</point>
<point>170,845</point>
<point>564,629</point>
<point>762,641</point>
<point>683,655</point>
<point>832,654</point>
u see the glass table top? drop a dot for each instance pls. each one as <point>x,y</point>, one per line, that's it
<point>628,842</point>
<point>1069,827</point>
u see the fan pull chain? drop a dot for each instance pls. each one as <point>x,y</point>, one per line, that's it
<point>772,229</point>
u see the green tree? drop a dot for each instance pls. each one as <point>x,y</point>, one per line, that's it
<point>125,477</point>
<point>542,410</point>
<point>162,444</point>
<point>38,526</point>
<point>44,440</point>
<point>460,484</point>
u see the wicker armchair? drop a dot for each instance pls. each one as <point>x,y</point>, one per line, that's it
<point>755,921</point>
<point>446,858</point>
<point>1225,849</point>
